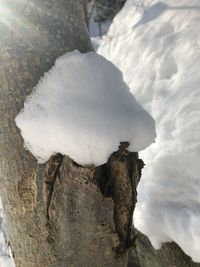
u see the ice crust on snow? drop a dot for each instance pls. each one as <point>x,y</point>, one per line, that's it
<point>82,108</point>
<point>158,52</point>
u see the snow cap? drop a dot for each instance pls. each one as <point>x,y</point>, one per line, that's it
<point>82,108</point>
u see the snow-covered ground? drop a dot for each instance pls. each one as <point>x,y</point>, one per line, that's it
<point>158,50</point>
<point>82,108</point>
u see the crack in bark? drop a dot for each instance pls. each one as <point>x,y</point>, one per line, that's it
<point>51,174</point>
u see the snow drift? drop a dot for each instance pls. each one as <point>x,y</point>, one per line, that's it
<point>82,108</point>
<point>158,50</point>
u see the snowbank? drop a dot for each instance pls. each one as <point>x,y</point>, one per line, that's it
<point>158,52</point>
<point>83,108</point>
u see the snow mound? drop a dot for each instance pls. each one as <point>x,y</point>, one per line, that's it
<point>82,108</point>
<point>158,50</point>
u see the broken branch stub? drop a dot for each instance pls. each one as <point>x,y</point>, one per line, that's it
<point>102,197</point>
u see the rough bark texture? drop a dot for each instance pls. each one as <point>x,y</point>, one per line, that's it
<point>81,218</point>
<point>124,173</point>
<point>170,255</point>
<point>56,213</point>
<point>90,209</point>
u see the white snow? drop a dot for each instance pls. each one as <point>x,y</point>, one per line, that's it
<point>6,259</point>
<point>82,108</point>
<point>158,50</point>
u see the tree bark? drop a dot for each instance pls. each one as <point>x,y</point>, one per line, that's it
<point>57,214</point>
<point>170,255</point>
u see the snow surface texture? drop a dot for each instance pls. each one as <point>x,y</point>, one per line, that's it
<point>158,50</point>
<point>82,108</point>
<point>6,259</point>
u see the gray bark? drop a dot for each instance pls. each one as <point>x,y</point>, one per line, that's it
<point>170,255</point>
<point>56,213</point>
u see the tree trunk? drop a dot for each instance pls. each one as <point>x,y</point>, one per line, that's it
<point>170,255</point>
<point>57,214</point>
<point>62,214</point>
